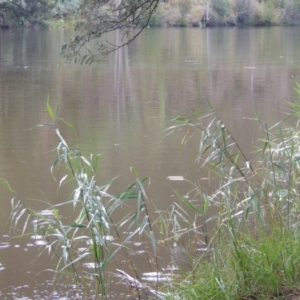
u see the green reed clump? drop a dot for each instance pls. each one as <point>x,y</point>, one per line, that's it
<point>85,247</point>
<point>253,252</point>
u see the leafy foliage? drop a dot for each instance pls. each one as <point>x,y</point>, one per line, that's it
<point>220,6</point>
<point>92,238</point>
<point>101,17</point>
<point>253,251</point>
<point>20,13</point>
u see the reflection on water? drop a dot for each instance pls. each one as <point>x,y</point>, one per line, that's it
<point>120,109</point>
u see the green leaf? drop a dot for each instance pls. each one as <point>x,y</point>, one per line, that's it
<point>67,123</point>
<point>208,103</point>
<point>134,172</point>
<point>188,203</point>
<point>206,206</point>
<point>7,185</point>
<point>265,146</point>
<point>141,188</point>
<point>77,225</point>
<point>144,223</point>
<point>212,218</point>
<point>50,111</point>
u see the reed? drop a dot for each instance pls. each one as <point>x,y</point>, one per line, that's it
<point>93,238</point>
<point>253,251</point>
<point>238,241</point>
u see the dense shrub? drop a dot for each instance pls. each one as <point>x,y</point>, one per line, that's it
<point>264,15</point>
<point>195,15</point>
<point>221,7</point>
<point>184,6</point>
<point>243,11</point>
<point>157,19</point>
<point>173,17</point>
<point>291,13</point>
<point>25,13</point>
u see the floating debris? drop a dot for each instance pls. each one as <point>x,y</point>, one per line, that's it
<point>2,267</point>
<point>89,265</point>
<point>156,277</point>
<point>176,178</point>
<point>4,245</point>
<point>36,237</point>
<point>40,243</point>
<point>137,244</point>
<point>47,212</point>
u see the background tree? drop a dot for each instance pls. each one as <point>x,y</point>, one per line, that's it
<point>21,13</point>
<point>99,17</point>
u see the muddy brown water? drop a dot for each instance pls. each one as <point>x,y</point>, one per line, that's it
<point>120,109</point>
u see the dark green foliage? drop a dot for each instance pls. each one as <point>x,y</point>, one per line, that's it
<point>156,20</point>
<point>221,7</point>
<point>102,17</point>
<point>184,6</point>
<point>291,13</point>
<point>243,10</point>
<point>24,14</point>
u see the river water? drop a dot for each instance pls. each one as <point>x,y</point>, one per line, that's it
<point>120,109</point>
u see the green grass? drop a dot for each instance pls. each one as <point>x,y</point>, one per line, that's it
<point>259,266</point>
<point>254,251</point>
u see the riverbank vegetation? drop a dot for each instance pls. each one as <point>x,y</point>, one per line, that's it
<point>254,250</point>
<point>93,21</point>
<point>239,240</point>
<point>37,13</point>
<point>227,13</point>
<point>166,13</point>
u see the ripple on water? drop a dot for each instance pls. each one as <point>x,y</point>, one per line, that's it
<point>156,277</point>
<point>36,237</point>
<point>4,245</point>
<point>1,269</point>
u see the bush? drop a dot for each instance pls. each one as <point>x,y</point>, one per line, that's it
<point>254,252</point>
<point>291,13</point>
<point>221,7</point>
<point>195,15</point>
<point>157,19</point>
<point>264,15</point>
<point>243,11</point>
<point>184,6</point>
<point>173,17</point>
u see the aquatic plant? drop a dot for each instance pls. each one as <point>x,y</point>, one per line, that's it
<point>239,240</point>
<point>84,248</point>
<point>253,250</point>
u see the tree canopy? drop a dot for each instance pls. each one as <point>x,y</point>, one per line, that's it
<point>96,18</point>
<point>20,13</point>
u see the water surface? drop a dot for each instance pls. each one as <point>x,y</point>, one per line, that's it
<point>120,109</point>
